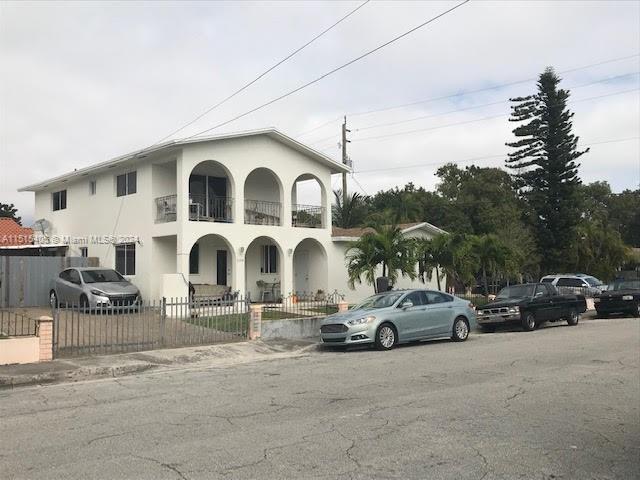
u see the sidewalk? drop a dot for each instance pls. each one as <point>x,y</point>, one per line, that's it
<point>103,366</point>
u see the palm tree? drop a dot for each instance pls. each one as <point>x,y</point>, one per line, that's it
<point>493,257</point>
<point>350,213</point>
<point>386,247</point>
<point>447,255</point>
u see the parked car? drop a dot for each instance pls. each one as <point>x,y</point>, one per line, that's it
<point>579,283</point>
<point>92,288</point>
<point>400,316</point>
<point>623,297</point>
<point>530,305</point>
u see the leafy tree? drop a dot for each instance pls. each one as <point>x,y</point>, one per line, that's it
<point>494,257</point>
<point>599,251</point>
<point>447,255</point>
<point>546,171</point>
<point>384,247</point>
<point>8,210</point>
<point>350,213</point>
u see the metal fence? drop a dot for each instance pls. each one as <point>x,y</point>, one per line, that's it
<point>309,216</point>
<point>302,305</point>
<point>261,212</point>
<point>25,281</point>
<point>151,325</point>
<point>14,324</point>
<point>166,209</point>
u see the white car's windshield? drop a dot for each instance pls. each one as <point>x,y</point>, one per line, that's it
<point>516,291</point>
<point>627,285</point>
<point>100,276</point>
<point>593,281</point>
<point>382,300</point>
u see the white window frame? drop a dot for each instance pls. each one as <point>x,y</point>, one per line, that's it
<point>93,187</point>
<point>127,187</point>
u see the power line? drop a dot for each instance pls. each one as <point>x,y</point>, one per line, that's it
<point>331,72</point>
<point>437,127</point>
<point>475,159</point>
<point>470,92</point>
<point>423,117</point>
<point>319,126</point>
<point>244,87</point>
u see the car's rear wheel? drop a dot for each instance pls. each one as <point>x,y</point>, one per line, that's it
<point>528,321</point>
<point>573,317</point>
<point>53,299</point>
<point>460,330</point>
<point>488,328</point>
<point>386,337</point>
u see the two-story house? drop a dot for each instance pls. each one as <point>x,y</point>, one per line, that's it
<point>220,210</point>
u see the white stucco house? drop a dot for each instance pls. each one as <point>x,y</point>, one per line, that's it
<point>219,210</point>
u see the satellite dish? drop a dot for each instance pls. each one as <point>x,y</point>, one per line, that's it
<point>42,225</point>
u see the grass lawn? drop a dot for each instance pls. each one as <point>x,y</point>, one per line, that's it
<point>239,322</point>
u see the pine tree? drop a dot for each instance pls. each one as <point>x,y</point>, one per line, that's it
<point>546,172</point>
<point>8,210</point>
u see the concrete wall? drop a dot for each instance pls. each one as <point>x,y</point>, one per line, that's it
<point>297,328</point>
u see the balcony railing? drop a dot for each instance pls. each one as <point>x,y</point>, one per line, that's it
<point>166,209</point>
<point>211,209</point>
<point>309,216</point>
<point>261,212</point>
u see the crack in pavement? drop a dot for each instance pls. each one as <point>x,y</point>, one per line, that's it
<point>169,466</point>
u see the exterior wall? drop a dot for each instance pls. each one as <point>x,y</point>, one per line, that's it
<point>19,350</point>
<point>338,278</point>
<point>105,214</point>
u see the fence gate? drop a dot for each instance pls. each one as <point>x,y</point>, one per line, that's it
<point>167,323</point>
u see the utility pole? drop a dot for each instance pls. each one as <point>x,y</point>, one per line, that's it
<point>345,159</point>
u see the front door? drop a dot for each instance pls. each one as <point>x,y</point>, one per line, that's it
<point>410,320</point>
<point>440,313</point>
<point>301,271</point>
<point>221,267</point>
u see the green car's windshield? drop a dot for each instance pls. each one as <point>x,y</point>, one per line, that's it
<point>100,276</point>
<point>516,291</point>
<point>382,300</point>
<point>626,285</point>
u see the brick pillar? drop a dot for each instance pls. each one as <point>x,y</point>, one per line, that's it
<point>45,334</point>
<point>255,322</point>
<point>343,306</point>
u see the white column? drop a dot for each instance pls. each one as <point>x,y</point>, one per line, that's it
<point>286,274</point>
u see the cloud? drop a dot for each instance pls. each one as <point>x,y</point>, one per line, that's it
<point>84,82</point>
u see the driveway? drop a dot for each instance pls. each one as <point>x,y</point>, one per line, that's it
<point>558,403</point>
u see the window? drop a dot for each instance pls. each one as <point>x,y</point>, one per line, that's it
<point>547,280</point>
<point>194,259</point>
<point>84,252</point>
<point>126,184</point>
<point>126,259</point>
<point>417,298</point>
<point>269,259</point>
<point>541,291</point>
<point>64,275</point>
<point>59,200</point>
<point>570,282</point>
<point>92,187</point>
<point>74,277</point>
<point>437,297</point>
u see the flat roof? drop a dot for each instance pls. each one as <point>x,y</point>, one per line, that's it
<point>271,132</point>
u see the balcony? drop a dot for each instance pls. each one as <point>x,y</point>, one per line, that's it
<point>166,209</point>
<point>307,216</point>
<point>210,208</point>
<point>262,212</point>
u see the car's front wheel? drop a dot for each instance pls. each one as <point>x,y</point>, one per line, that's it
<point>528,321</point>
<point>573,317</point>
<point>386,337</point>
<point>460,330</point>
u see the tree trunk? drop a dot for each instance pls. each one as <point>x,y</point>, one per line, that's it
<point>484,281</point>
<point>438,278</point>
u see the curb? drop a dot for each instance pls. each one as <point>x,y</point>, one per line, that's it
<point>86,373</point>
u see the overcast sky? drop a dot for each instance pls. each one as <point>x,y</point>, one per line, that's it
<point>81,83</point>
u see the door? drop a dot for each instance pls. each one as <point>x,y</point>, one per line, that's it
<point>69,287</point>
<point>221,267</point>
<point>217,198</point>
<point>410,321</point>
<point>439,314</point>
<point>301,271</point>
<point>542,304</point>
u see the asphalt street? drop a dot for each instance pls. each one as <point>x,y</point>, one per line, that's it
<point>557,403</point>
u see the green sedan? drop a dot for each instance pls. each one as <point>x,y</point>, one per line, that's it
<point>400,316</point>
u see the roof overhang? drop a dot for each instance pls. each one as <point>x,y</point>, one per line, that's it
<point>334,167</point>
<point>420,226</point>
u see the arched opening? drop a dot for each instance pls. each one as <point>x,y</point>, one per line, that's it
<point>263,270</point>
<point>211,191</point>
<point>211,262</point>
<point>310,269</point>
<point>262,198</point>
<point>308,200</point>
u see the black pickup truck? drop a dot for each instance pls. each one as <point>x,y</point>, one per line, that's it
<point>530,305</point>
